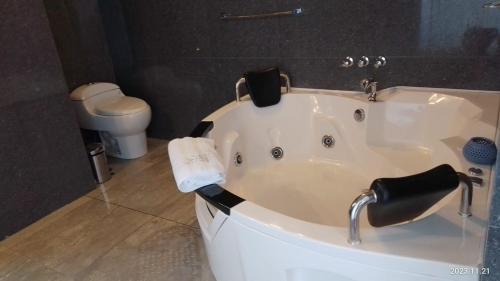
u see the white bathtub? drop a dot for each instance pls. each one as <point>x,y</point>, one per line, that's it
<point>287,219</point>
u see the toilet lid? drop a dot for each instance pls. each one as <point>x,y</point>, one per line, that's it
<point>121,106</point>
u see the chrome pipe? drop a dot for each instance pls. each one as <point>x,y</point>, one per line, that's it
<point>294,12</point>
<point>354,212</point>
<point>466,199</point>
<point>287,82</point>
<point>238,85</point>
<point>242,80</point>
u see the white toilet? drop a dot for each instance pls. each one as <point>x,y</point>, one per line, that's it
<point>120,120</point>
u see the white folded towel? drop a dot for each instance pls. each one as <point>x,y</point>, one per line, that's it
<point>195,163</point>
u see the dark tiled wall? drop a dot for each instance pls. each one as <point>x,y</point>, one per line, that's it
<point>79,36</point>
<point>492,250</point>
<point>184,61</point>
<point>43,162</point>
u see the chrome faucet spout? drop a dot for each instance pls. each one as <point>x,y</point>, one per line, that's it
<point>372,93</point>
<point>466,199</point>
<point>370,88</point>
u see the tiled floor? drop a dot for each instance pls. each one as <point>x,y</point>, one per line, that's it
<point>136,226</point>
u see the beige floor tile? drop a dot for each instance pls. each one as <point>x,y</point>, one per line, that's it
<point>159,198</point>
<point>181,209</point>
<point>151,196</point>
<point>75,240</point>
<point>159,250</point>
<point>157,149</point>
<point>130,174</point>
<point>152,190</point>
<point>44,222</point>
<point>15,267</point>
<point>123,184</point>
<point>145,192</point>
<point>106,239</point>
<point>125,175</point>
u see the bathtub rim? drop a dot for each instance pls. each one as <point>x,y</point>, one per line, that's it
<point>351,94</point>
<point>225,200</point>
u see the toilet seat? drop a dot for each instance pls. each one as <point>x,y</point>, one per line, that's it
<point>121,106</point>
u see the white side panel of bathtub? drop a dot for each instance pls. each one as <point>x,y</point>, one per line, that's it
<point>224,255</point>
<point>438,251</point>
<point>220,242</point>
<point>240,253</point>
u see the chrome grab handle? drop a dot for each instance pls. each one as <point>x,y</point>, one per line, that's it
<point>287,82</point>
<point>241,81</point>
<point>356,207</point>
<point>370,197</point>
<point>294,12</point>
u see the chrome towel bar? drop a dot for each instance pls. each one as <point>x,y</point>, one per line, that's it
<point>294,12</point>
<point>492,5</point>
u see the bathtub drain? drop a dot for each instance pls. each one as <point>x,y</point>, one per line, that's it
<point>277,152</point>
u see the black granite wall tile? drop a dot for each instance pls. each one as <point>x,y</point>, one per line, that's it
<point>166,29</point>
<point>117,36</point>
<point>27,54</point>
<point>304,73</point>
<point>81,43</point>
<point>495,206</point>
<point>427,43</point>
<point>451,28</point>
<point>179,104</point>
<point>492,258</point>
<point>460,73</point>
<point>243,38</point>
<point>146,42</point>
<point>327,29</point>
<point>170,28</point>
<point>396,28</point>
<point>44,164</point>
